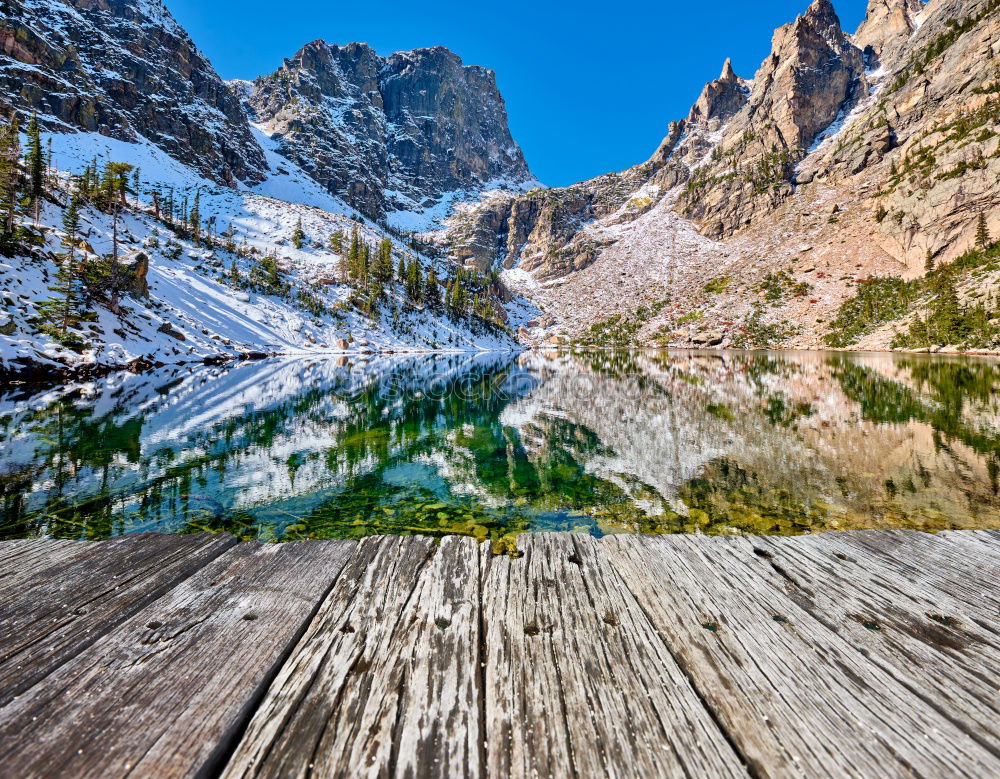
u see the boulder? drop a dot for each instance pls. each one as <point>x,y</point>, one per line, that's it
<point>708,338</point>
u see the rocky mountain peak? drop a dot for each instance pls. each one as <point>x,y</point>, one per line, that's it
<point>728,74</point>
<point>887,25</point>
<point>126,69</point>
<point>813,69</point>
<point>720,99</point>
<point>394,133</point>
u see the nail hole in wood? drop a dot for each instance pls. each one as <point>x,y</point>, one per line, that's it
<point>781,619</point>
<point>610,619</point>
<point>711,626</point>
<point>154,625</point>
<point>249,617</point>
<point>943,619</point>
<point>443,624</point>
<point>762,553</point>
<point>532,630</point>
<point>575,559</point>
<point>347,628</point>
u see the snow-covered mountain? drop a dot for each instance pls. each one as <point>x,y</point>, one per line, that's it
<point>392,136</point>
<point>255,255</point>
<point>127,70</point>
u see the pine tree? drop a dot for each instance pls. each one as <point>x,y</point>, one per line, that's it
<point>337,241</point>
<point>929,261</point>
<point>382,269</point>
<point>354,258</point>
<point>114,186</point>
<point>432,289</point>
<point>36,169</point>
<point>10,181</point>
<point>299,236</point>
<point>401,269</point>
<point>414,285</point>
<point>63,311</point>
<point>983,240</point>
<point>195,218</point>
<point>50,170</point>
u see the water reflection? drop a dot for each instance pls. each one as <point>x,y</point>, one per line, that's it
<point>495,445</point>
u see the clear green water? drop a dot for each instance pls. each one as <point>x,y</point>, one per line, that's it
<point>496,445</point>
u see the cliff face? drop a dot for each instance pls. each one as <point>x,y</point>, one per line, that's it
<point>125,69</point>
<point>390,134</point>
<point>846,156</point>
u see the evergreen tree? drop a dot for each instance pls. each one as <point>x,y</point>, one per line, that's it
<point>983,240</point>
<point>299,235</point>
<point>382,269</point>
<point>195,218</point>
<point>337,241</point>
<point>354,258</point>
<point>36,169</point>
<point>414,284</point>
<point>63,311</point>
<point>929,261</point>
<point>10,181</point>
<point>168,205</point>
<point>401,269</point>
<point>432,289</point>
<point>113,188</point>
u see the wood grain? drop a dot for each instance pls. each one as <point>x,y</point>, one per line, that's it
<point>166,692</point>
<point>81,593</point>
<point>794,693</point>
<point>386,680</point>
<point>577,680</point>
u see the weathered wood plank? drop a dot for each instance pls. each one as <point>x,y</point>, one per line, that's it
<point>577,680</point>
<point>386,680</point>
<point>794,695</point>
<point>24,558</point>
<point>167,692</point>
<point>71,602</point>
<point>919,636</point>
<point>967,570</point>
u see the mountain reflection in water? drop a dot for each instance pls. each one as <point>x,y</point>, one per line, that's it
<point>494,445</point>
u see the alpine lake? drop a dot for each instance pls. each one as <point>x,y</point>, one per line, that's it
<point>494,445</point>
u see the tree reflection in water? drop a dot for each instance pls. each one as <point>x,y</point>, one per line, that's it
<point>495,445</point>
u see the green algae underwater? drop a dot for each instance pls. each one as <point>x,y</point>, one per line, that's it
<point>494,445</point>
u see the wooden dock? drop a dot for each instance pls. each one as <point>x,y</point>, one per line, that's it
<point>845,654</point>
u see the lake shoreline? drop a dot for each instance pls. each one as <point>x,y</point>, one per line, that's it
<point>32,372</point>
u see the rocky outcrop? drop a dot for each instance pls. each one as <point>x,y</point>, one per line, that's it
<point>393,133</point>
<point>125,69</point>
<point>887,26</point>
<point>851,157</point>
<point>813,74</point>
<point>541,231</point>
<point>721,99</point>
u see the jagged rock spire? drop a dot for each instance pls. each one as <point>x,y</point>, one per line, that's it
<point>728,74</point>
<point>720,99</point>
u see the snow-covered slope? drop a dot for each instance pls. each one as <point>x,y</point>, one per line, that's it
<point>196,308</point>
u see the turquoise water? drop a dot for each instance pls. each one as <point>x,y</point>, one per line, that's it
<point>494,445</point>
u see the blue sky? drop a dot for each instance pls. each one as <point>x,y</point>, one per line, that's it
<point>590,87</point>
